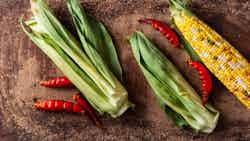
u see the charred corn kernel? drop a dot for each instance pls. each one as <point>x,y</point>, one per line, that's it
<point>220,57</point>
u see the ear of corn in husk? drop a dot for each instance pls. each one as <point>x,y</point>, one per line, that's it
<point>178,99</point>
<point>91,76</point>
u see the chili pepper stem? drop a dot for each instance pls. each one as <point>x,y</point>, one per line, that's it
<point>144,21</point>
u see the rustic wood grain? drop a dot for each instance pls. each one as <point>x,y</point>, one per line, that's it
<point>22,65</point>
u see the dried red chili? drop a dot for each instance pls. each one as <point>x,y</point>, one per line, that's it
<point>164,29</point>
<point>86,106</point>
<point>57,82</point>
<point>205,77</point>
<point>58,106</point>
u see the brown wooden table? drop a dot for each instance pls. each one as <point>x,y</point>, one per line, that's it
<point>22,66</point>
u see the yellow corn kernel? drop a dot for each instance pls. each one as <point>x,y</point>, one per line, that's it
<point>220,57</point>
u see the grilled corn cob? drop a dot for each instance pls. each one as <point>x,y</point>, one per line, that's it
<point>220,57</point>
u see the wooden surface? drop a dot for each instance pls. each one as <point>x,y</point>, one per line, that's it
<point>22,66</point>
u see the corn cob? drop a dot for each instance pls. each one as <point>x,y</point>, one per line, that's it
<point>220,57</point>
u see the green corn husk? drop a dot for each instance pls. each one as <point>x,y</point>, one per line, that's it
<point>181,101</point>
<point>97,83</point>
<point>94,33</point>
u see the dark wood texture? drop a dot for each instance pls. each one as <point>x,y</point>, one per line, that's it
<point>22,66</point>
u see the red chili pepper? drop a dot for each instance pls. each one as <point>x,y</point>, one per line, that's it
<point>86,106</point>
<point>205,77</point>
<point>58,106</point>
<point>57,82</point>
<point>164,29</point>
